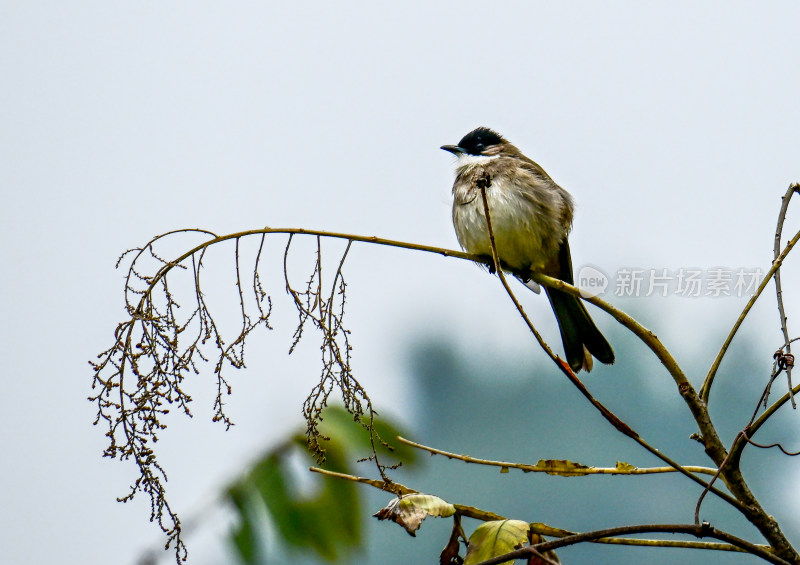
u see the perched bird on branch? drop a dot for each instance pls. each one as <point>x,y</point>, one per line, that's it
<point>531,217</point>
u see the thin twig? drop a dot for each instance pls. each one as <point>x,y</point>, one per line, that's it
<point>778,288</point>
<point>571,469</point>
<point>545,530</point>
<point>705,390</point>
<point>739,445</point>
<point>392,487</point>
<point>564,367</point>
<point>511,295</point>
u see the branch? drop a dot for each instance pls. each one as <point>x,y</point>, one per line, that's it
<point>562,468</point>
<point>705,390</point>
<point>684,386</point>
<point>701,531</point>
<point>498,269</point>
<point>545,530</point>
<point>645,335</point>
<point>741,442</point>
<point>300,231</point>
<point>746,502</point>
<point>388,486</point>
<point>603,536</point>
<point>136,417</point>
<point>778,288</point>
<point>142,373</point>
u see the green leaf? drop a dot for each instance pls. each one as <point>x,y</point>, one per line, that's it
<point>245,537</point>
<point>495,538</point>
<point>326,519</point>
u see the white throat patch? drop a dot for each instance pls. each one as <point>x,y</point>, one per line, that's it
<point>466,161</point>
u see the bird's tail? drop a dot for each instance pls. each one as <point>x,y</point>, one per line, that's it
<point>580,336</point>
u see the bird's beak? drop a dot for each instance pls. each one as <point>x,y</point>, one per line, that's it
<point>454,149</point>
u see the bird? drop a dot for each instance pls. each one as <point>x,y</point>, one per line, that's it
<point>531,217</point>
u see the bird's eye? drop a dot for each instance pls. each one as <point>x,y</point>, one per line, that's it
<point>480,147</point>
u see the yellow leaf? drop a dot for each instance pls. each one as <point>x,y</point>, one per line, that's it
<point>410,510</point>
<point>495,538</point>
<point>561,467</point>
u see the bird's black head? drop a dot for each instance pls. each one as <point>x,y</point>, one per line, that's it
<point>476,142</point>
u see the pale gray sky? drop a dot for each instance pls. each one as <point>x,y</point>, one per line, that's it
<point>674,125</point>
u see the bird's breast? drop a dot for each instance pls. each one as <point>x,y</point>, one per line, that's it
<point>525,234</point>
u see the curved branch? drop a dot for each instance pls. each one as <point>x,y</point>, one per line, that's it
<point>300,231</point>
<point>705,390</point>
